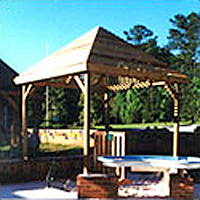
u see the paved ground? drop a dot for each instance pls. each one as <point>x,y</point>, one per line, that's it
<point>35,190</point>
<point>188,128</point>
<point>38,190</point>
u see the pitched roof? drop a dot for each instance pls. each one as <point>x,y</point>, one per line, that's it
<point>102,52</point>
<point>6,76</point>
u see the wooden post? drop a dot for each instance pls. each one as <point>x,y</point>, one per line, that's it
<point>123,154</point>
<point>104,144</point>
<point>25,92</point>
<point>24,123</point>
<point>118,145</point>
<point>106,110</point>
<point>95,149</point>
<point>12,139</point>
<point>174,95</point>
<point>47,106</point>
<point>176,122</point>
<point>86,123</point>
<point>113,146</point>
<point>99,147</point>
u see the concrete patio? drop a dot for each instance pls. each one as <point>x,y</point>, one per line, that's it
<point>38,190</point>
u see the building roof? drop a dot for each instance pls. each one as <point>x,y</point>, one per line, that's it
<point>101,52</point>
<point>6,76</point>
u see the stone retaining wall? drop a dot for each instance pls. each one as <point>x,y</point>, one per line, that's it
<point>17,170</point>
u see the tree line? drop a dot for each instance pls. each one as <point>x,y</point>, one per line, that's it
<point>154,104</point>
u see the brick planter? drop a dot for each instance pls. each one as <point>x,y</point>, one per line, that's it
<point>181,187</point>
<point>97,186</point>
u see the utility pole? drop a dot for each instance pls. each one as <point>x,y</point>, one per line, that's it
<point>47,92</point>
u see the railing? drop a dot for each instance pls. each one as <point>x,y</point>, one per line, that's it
<point>109,143</point>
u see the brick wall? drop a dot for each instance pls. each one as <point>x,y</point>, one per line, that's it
<point>97,186</point>
<point>181,188</point>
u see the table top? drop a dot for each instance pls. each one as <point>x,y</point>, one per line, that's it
<point>151,162</point>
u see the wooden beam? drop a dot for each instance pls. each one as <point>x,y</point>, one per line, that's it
<point>96,79</point>
<point>86,122</point>
<point>13,93</point>
<point>68,79</point>
<point>158,83</point>
<point>27,90</point>
<point>177,75</point>
<point>156,74</point>
<point>32,92</point>
<point>55,84</point>
<point>80,83</point>
<point>171,91</point>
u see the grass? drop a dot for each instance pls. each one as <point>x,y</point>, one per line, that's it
<point>142,125</point>
<point>49,147</point>
<point>5,148</point>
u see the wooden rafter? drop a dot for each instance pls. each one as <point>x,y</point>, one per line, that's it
<point>142,84</point>
<point>157,75</point>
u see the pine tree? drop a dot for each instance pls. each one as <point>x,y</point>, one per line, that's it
<point>184,41</point>
<point>150,104</point>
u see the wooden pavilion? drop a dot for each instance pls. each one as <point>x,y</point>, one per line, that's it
<point>99,60</point>
<point>9,104</point>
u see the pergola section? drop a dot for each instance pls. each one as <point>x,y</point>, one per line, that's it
<point>99,60</point>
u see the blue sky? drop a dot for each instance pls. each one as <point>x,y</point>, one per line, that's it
<point>29,26</point>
